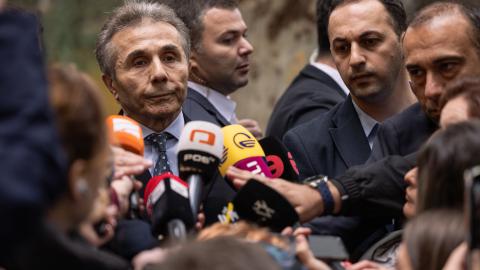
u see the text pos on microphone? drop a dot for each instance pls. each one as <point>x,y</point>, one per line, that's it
<point>166,198</point>
<point>127,133</point>
<point>279,160</point>
<point>243,151</point>
<point>200,148</point>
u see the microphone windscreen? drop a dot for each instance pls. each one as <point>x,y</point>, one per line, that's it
<point>279,160</point>
<point>239,144</point>
<point>203,137</point>
<point>258,203</point>
<point>154,190</point>
<point>255,165</point>
<point>200,148</point>
<point>172,204</point>
<point>126,133</point>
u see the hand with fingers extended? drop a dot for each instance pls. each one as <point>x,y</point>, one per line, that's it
<point>306,201</point>
<point>123,187</point>
<point>128,163</point>
<point>252,126</point>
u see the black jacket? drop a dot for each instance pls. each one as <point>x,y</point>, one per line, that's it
<point>312,93</point>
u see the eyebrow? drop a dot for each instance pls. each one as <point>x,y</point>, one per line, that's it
<point>447,58</point>
<point>371,32</point>
<point>168,47</point>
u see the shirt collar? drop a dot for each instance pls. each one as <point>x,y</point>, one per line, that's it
<point>175,128</point>
<point>367,122</point>
<point>333,73</point>
<point>224,105</point>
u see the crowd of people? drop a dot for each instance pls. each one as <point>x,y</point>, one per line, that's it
<point>382,126</point>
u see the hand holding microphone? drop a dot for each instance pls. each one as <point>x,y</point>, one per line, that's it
<point>127,134</point>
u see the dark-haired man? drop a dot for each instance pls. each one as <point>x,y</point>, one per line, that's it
<point>219,63</point>
<point>367,52</point>
<point>315,90</point>
<point>440,46</point>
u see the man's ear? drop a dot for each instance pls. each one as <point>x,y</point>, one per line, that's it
<point>108,81</point>
<point>77,184</point>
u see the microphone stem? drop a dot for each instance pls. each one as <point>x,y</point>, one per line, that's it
<point>195,190</point>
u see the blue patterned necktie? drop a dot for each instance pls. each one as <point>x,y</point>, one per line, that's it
<point>159,142</point>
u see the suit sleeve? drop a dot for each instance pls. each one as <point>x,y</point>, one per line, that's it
<point>295,145</point>
<point>377,189</point>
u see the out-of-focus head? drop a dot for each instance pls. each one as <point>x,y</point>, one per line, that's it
<point>366,49</point>
<point>441,163</point>
<point>429,239</point>
<point>143,51</point>
<point>410,193</point>
<point>441,44</point>
<point>80,120</point>
<point>220,49</point>
<point>218,254</point>
<point>461,101</point>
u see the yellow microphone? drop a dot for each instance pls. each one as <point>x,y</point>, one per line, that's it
<point>242,151</point>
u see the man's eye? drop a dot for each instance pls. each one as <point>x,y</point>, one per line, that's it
<point>169,58</point>
<point>343,48</point>
<point>370,42</point>
<point>415,73</point>
<point>139,62</point>
<point>448,67</point>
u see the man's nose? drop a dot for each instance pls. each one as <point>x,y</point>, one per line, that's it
<point>433,86</point>
<point>357,57</point>
<point>158,72</point>
<point>246,47</point>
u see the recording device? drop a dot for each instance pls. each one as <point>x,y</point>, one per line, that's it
<point>166,199</point>
<point>260,204</point>
<point>127,133</point>
<point>243,151</point>
<point>279,160</point>
<point>328,247</point>
<point>472,199</point>
<point>199,151</point>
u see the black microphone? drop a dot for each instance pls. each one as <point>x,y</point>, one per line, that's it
<point>200,148</point>
<point>260,204</point>
<point>166,199</point>
<point>279,159</point>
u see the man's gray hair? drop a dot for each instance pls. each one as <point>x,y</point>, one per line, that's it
<point>130,14</point>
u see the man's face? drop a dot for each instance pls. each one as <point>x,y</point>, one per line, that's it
<point>365,48</point>
<point>437,53</point>
<point>455,111</point>
<point>151,72</point>
<point>222,59</point>
<point>409,208</point>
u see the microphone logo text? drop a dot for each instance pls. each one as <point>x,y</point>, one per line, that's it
<point>202,136</point>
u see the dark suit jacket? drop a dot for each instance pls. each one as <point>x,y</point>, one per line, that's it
<point>197,107</point>
<point>403,133</point>
<point>329,144</point>
<point>312,93</point>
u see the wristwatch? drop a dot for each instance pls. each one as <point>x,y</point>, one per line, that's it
<point>319,183</point>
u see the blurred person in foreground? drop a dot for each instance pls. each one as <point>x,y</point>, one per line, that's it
<point>33,164</point>
<point>80,122</point>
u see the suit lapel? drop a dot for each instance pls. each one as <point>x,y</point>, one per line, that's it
<point>194,95</point>
<point>348,135</point>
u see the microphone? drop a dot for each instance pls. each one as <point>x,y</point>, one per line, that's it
<point>127,133</point>
<point>243,151</point>
<point>258,203</point>
<point>167,204</point>
<point>279,159</point>
<point>199,151</point>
